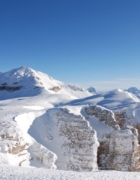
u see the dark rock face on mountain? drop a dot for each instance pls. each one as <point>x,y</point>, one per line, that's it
<point>123,151</point>
<point>9,88</point>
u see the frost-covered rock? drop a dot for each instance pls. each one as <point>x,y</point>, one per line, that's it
<point>42,157</point>
<point>15,149</point>
<point>123,152</point>
<point>104,115</point>
<point>79,143</point>
<point>11,139</point>
<point>120,117</point>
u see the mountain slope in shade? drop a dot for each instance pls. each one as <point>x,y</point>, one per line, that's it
<point>118,99</point>
<point>115,99</point>
<point>23,81</point>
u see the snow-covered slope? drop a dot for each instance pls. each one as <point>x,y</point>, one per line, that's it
<point>118,99</point>
<point>115,99</point>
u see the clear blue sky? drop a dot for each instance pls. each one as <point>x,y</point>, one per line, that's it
<point>85,42</point>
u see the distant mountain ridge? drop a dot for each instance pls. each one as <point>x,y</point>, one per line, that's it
<point>134,90</point>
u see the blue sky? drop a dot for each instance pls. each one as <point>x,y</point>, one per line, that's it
<point>84,42</point>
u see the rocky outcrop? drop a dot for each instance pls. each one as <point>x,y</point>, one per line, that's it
<point>55,89</point>
<point>78,141</point>
<point>13,144</point>
<point>44,157</point>
<point>11,140</point>
<point>103,115</point>
<point>119,149</point>
<point>123,151</point>
<point>10,88</point>
<point>120,117</point>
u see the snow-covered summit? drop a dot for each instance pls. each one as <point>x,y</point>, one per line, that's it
<point>134,90</point>
<point>24,81</point>
<point>28,77</point>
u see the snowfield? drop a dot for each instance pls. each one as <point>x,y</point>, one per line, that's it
<point>20,173</point>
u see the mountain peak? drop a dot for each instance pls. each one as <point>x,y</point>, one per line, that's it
<point>133,90</point>
<point>92,90</point>
<point>24,81</point>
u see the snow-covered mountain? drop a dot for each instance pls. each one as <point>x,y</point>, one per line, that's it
<point>23,82</point>
<point>50,124</point>
<point>92,90</point>
<point>134,91</point>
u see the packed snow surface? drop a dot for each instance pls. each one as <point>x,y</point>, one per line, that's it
<point>20,173</point>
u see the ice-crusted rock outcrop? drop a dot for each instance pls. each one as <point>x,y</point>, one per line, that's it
<point>119,148</point>
<point>17,150</point>
<point>11,139</point>
<point>77,148</point>
<point>123,151</point>
<point>120,117</point>
<point>42,157</point>
<point>103,115</point>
